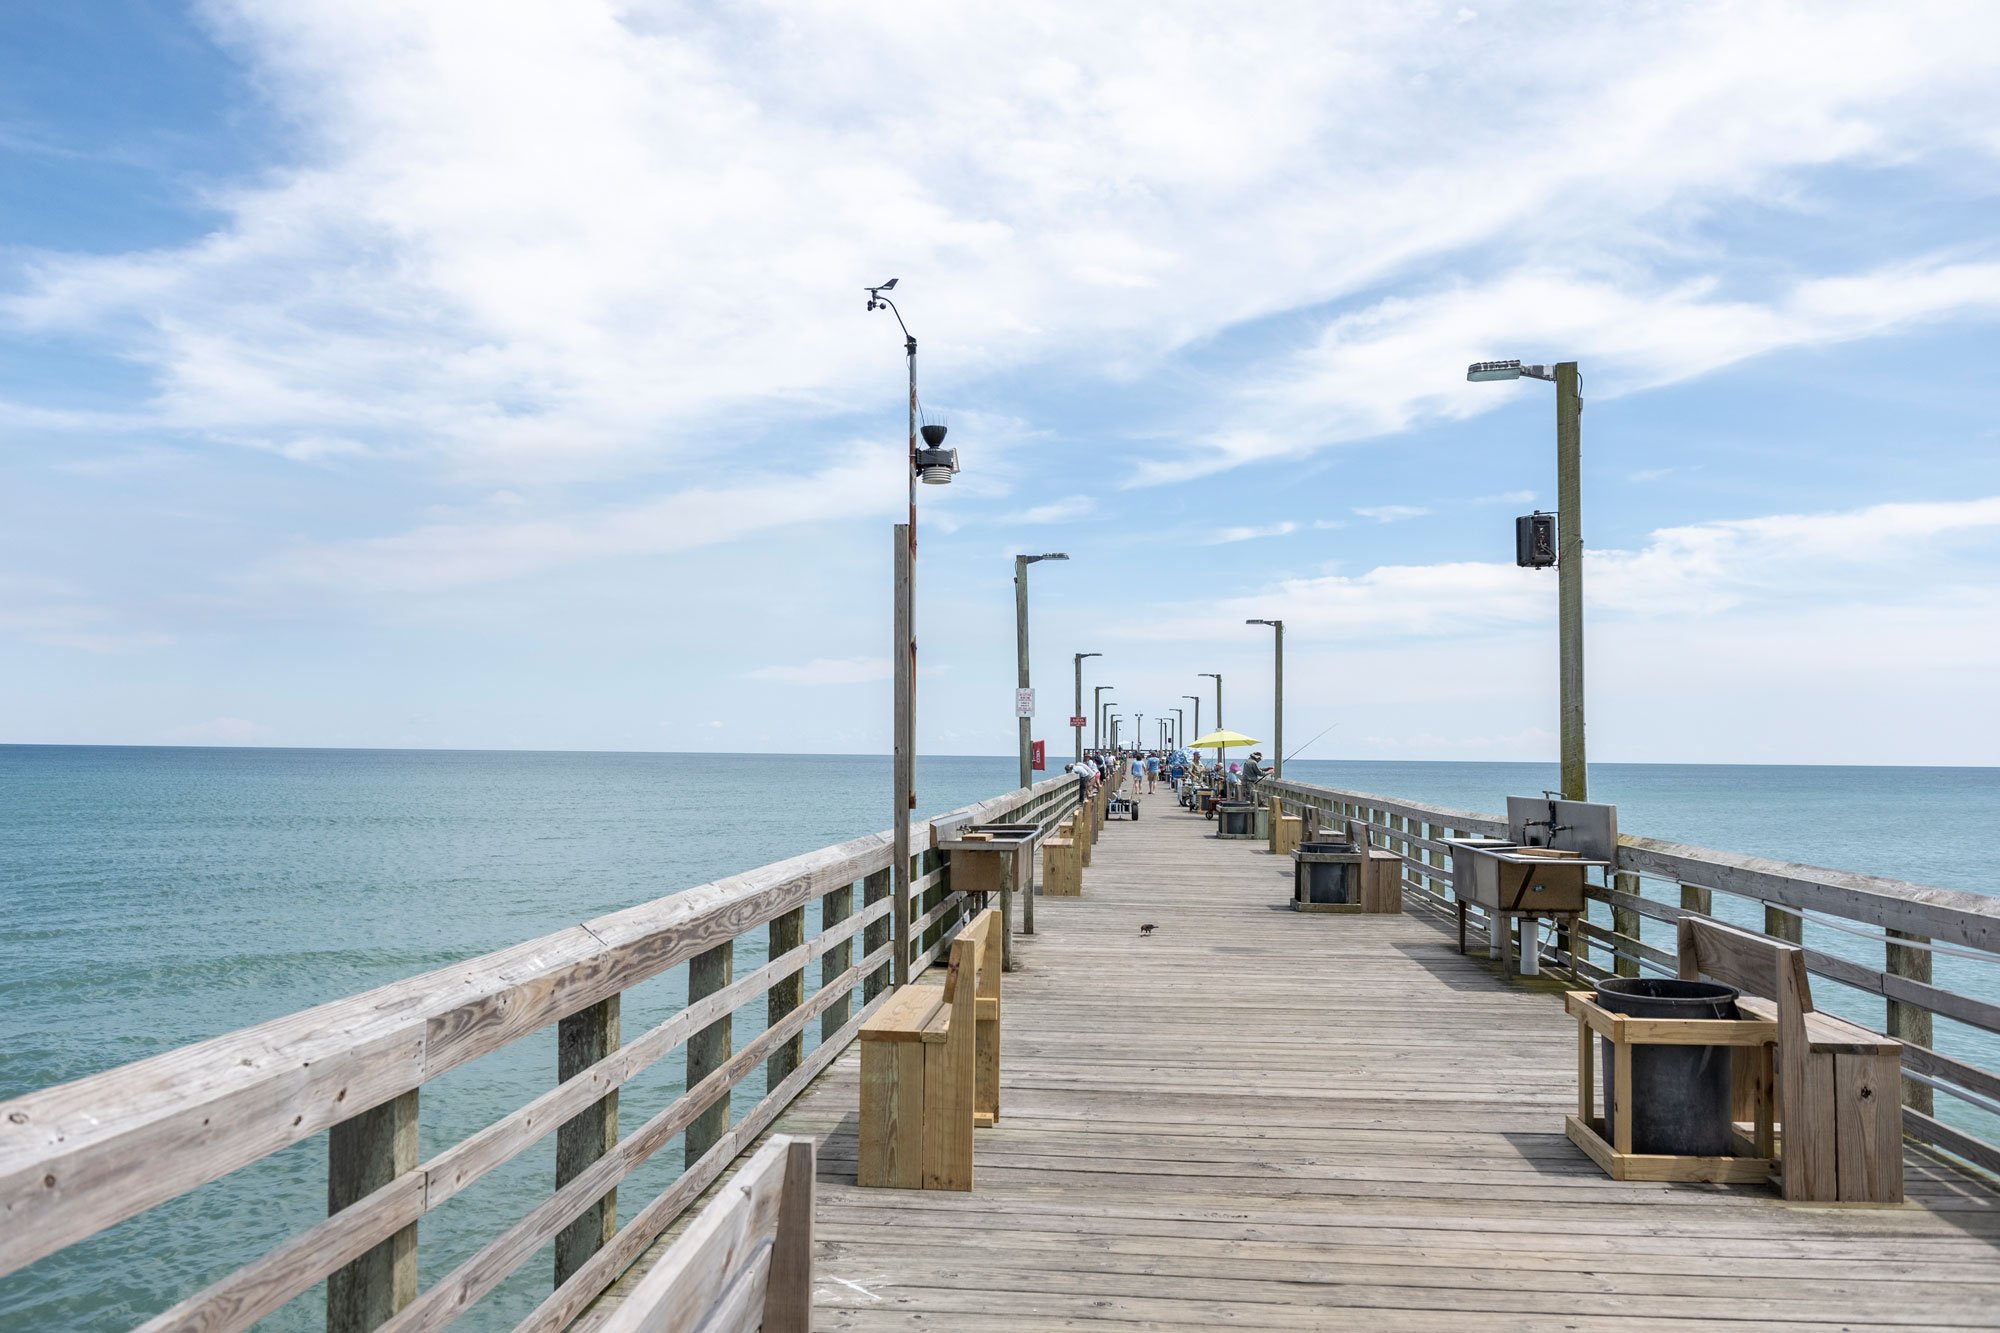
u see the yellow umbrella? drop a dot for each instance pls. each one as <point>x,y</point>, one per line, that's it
<point>1221,740</point>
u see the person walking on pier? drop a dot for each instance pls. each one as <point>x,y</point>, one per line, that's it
<point>1152,773</point>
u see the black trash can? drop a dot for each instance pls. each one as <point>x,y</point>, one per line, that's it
<point>1680,1094</point>
<point>1327,883</point>
<point>1237,819</point>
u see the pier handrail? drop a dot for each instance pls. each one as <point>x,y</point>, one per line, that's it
<point>1909,922</point>
<point>84,1155</point>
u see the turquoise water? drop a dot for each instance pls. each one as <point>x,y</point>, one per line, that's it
<point>154,897</point>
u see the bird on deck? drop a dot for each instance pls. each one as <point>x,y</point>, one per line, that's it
<point>1146,929</point>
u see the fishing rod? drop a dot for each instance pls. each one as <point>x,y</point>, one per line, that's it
<point>1295,754</point>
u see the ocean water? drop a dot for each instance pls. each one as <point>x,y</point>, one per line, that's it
<point>154,897</point>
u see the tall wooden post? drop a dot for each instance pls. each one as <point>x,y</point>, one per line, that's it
<point>1278,707</point>
<point>583,1039</point>
<point>709,1049</point>
<point>1569,575</point>
<point>835,908</point>
<point>905,746</point>
<point>364,1153</point>
<point>786,933</point>
<point>1027,724</point>
<point>1909,1022</point>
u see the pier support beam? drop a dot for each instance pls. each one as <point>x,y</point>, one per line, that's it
<point>786,933</point>
<point>875,934</point>
<point>835,908</point>
<point>708,1050</point>
<point>1908,1022</point>
<point>364,1153</point>
<point>582,1040</point>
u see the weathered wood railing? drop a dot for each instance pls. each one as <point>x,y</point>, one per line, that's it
<point>82,1156</point>
<point>1849,914</point>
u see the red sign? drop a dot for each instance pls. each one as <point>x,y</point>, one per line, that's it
<point>1038,757</point>
<point>1079,722</point>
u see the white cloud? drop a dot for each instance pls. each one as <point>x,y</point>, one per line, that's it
<point>1065,510</point>
<point>454,554</point>
<point>571,235</point>
<point>56,613</point>
<point>1507,498</point>
<point>827,671</point>
<point>1244,534</point>
<point>1391,513</point>
<point>1861,560</point>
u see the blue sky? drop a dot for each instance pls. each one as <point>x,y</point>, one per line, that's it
<point>498,375</point>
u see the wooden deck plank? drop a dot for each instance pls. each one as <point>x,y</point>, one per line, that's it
<point>1255,1118</point>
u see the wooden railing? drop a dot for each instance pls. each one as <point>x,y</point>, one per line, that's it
<point>82,1156</point>
<point>1844,921</point>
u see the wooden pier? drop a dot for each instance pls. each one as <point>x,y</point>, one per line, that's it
<point>1252,1118</point>
<point>1246,1117</point>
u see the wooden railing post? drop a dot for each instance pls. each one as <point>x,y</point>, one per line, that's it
<point>709,1049</point>
<point>582,1039</point>
<point>364,1153</point>
<point>786,933</point>
<point>835,908</point>
<point>875,934</point>
<point>1625,921</point>
<point>1909,1022</point>
<point>1697,899</point>
<point>1782,925</point>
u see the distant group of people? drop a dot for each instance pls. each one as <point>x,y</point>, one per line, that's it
<point>1147,767</point>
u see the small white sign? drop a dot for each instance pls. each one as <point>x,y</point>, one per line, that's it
<point>1024,703</point>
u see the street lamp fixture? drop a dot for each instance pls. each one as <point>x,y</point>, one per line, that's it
<point>1196,698</point>
<point>1480,371</point>
<point>1097,715</point>
<point>1531,541</point>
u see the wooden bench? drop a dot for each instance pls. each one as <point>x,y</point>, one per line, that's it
<point>1838,1087</point>
<point>930,1070</point>
<point>1062,863</point>
<point>746,1261</point>
<point>1285,829</point>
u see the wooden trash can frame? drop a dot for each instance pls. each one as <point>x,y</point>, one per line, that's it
<point>930,1070</point>
<point>1379,872</point>
<point>1817,1101</point>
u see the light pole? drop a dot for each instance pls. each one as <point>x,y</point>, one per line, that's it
<point>1021,563</point>
<point>1097,716</point>
<point>1277,701</point>
<point>1138,729</point>
<point>1218,709</point>
<point>935,466</point>
<point>1569,552</point>
<point>1180,726</point>
<point>1197,714</point>
<point>1078,713</point>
